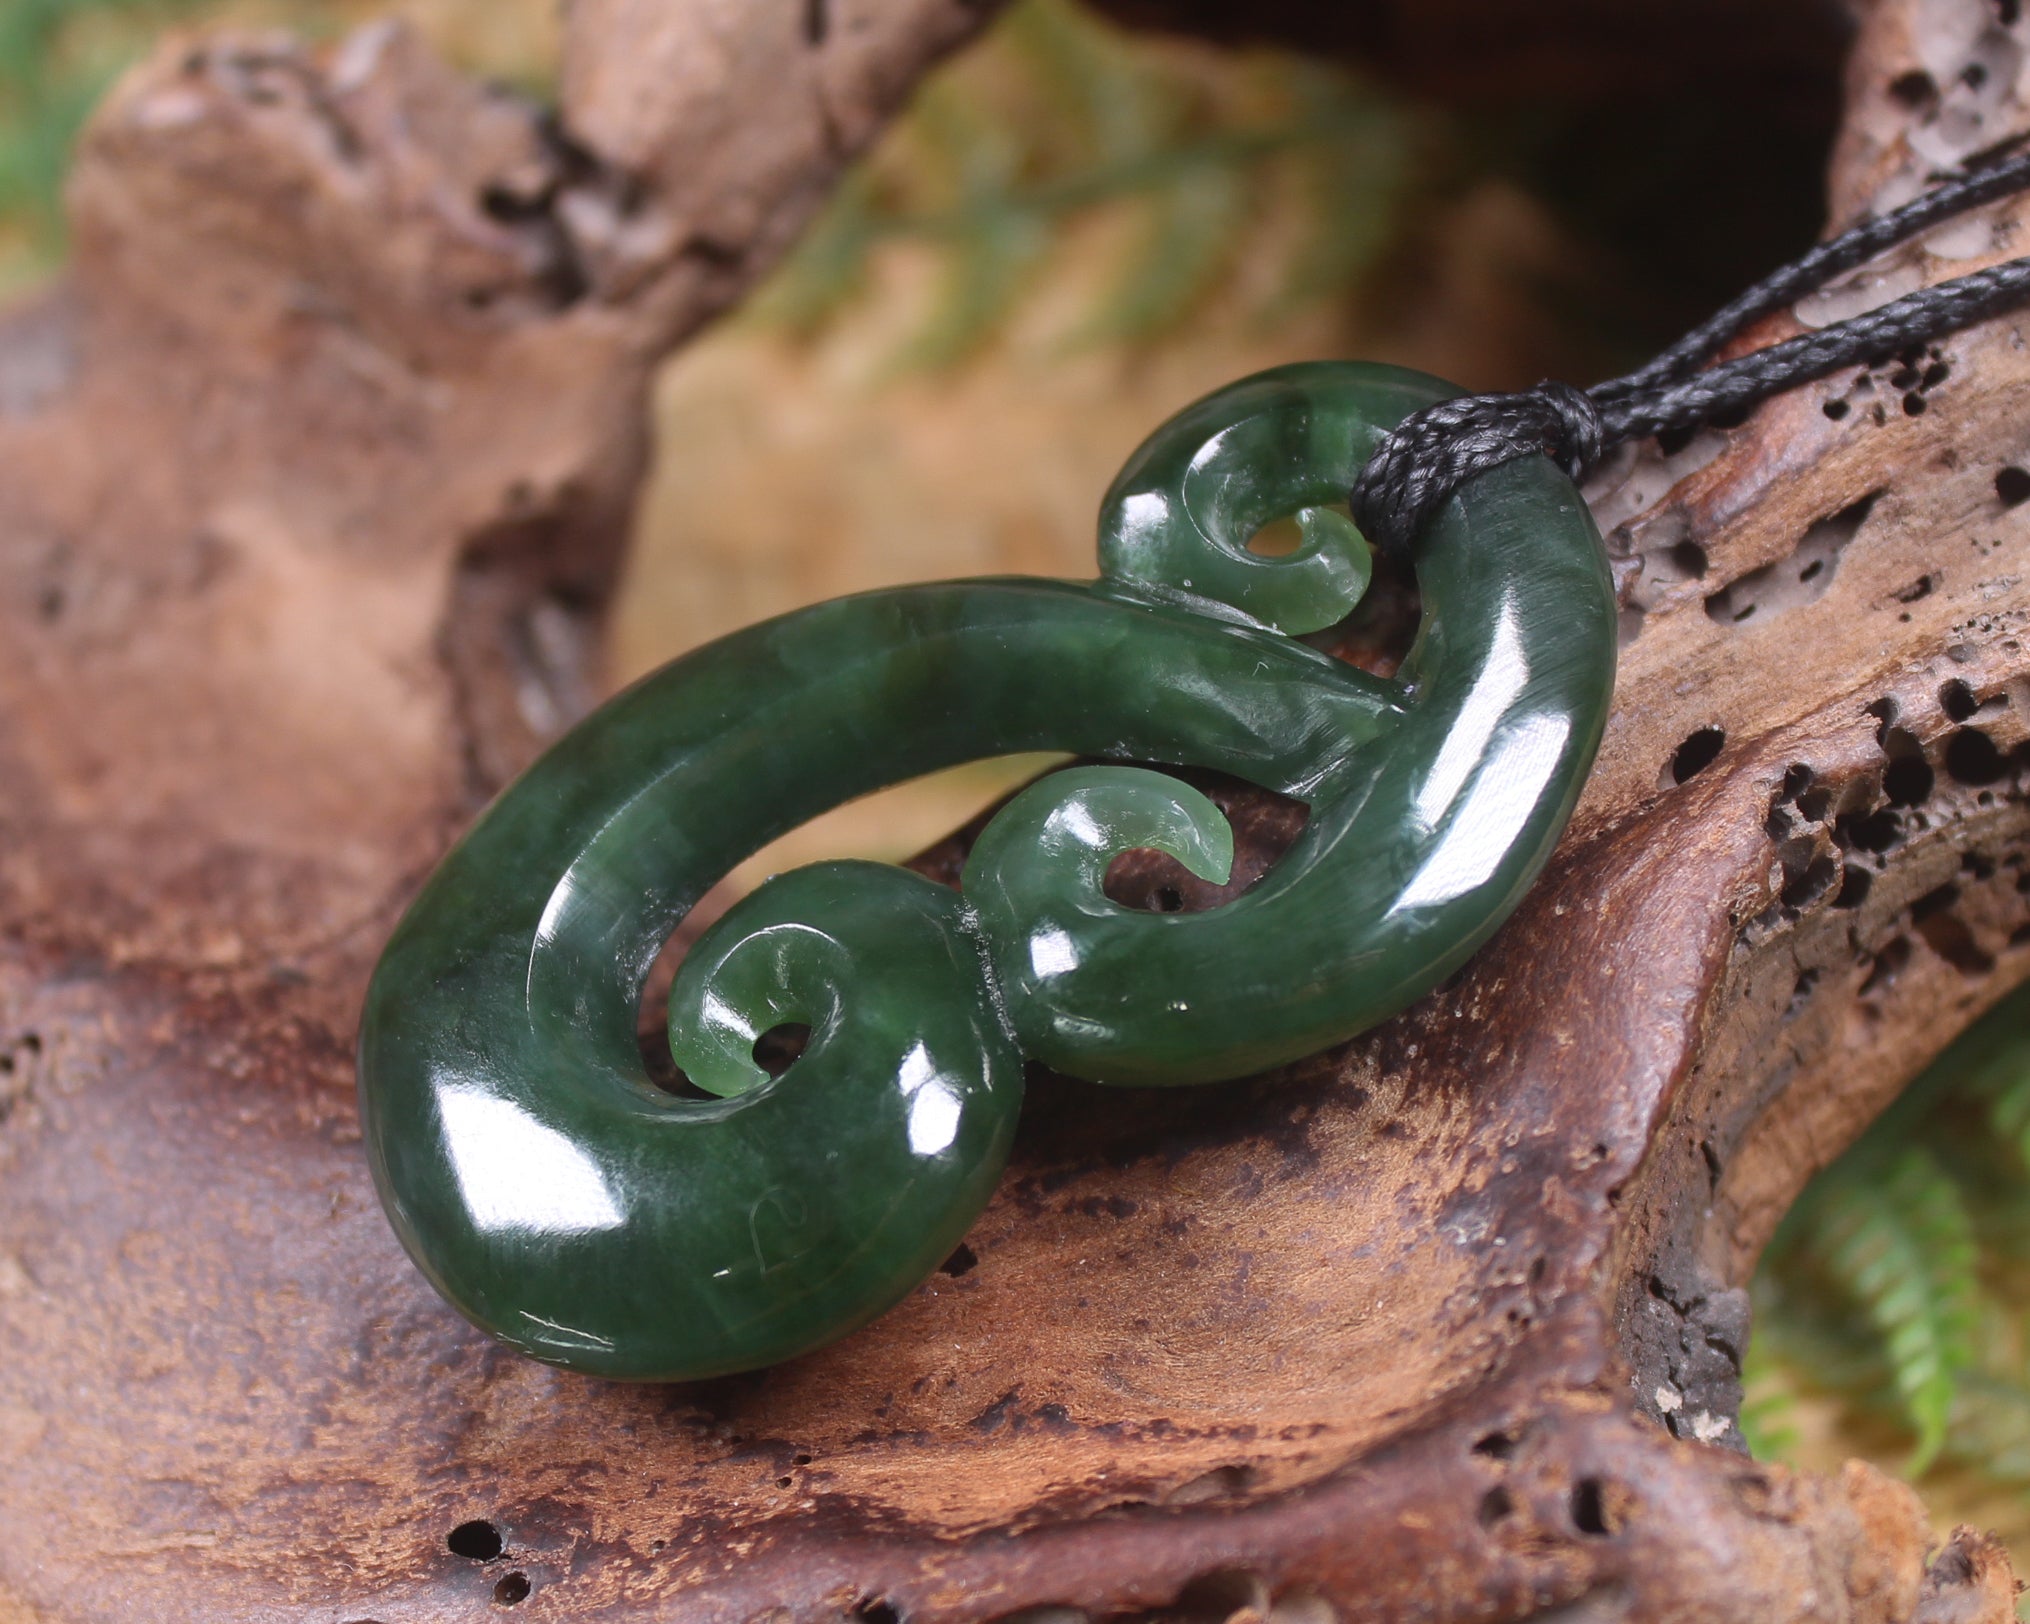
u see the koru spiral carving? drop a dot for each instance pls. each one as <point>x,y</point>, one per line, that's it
<point>566,1204</point>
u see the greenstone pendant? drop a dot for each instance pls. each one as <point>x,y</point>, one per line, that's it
<point>567,1205</point>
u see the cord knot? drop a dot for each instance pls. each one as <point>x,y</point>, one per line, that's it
<point>1433,452</point>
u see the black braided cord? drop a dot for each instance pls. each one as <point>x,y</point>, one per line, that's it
<point>1431,453</point>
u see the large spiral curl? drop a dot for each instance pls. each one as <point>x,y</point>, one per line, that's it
<point>566,1204</point>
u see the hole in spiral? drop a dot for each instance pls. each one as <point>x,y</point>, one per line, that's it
<point>1279,538</point>
<point>780,1047</point>
<point>1283,535</point>
<point>886,826</point>
<point>1379,632</point>
<point>1265,825</point>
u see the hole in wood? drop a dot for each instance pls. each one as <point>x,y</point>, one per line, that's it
<point>1223,1593</point>
<point>1972,758</point>
<point>1908,781</point>
<point>1947,935</point>
<point>476,1541</point>
<point>1885,965</point>
<point>1591,1513</point>
<point>1690,558</point>
<point>1218,1484</point>
<point>1816,880</point>
<point>1915,89</point>
<point>1799,579</point>
<point>1867,831</point>
<point>1935,901</point>
<point>1696,753</point>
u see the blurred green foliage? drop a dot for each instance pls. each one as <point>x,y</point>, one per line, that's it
<point>1280,185</point>
<point>1898,1287</point>
<point>56,58</point>
<point>1289,177</point>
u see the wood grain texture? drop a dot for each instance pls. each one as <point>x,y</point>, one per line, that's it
<point>308,484</point>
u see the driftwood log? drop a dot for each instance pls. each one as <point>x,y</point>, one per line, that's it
<point>310,479</point>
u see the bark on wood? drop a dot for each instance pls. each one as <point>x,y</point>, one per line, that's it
<point>309,480</point>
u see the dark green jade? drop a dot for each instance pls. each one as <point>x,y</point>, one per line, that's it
<point>566,1204</point>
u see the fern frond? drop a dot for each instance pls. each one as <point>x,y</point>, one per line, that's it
<point>1195,228</point>
<point>1991,1426</point>
<point>1901,1247</point>
<point>1767,1404</point>
<point>982,278</point>
<point>1993,1065</point>
<point>2009,1108</point>
<point>1355,180</point>
<point>1138,129</point>
<point>1062,116</point>
<point>1106,102</point>
<point>829,267</point>
<point>994,238</point>
<point>1982,1061</point>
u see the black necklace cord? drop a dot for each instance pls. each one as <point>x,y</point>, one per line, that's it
<point>1431,453</point>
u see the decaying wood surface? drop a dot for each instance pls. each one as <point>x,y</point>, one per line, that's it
<point>309,479</point>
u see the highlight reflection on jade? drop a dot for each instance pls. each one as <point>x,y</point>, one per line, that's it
<point>563,1202</point>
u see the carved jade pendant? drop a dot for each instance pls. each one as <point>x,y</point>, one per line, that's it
<point>567,1205</point>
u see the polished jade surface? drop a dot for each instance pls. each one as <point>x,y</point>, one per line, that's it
<point>565,1203</point>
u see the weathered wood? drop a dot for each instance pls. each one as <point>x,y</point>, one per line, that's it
<point>308,485</point>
